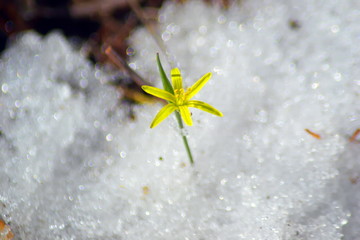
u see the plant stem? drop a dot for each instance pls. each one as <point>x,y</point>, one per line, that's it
<point>187,147</point>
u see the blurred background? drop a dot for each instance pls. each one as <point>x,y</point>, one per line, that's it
<point>90,22</point>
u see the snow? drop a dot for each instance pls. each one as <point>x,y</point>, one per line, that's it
<point>73,165</point>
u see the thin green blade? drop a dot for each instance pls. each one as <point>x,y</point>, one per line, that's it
<point>165,81</point>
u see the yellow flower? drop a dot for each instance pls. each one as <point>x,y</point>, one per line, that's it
<point>180,100</point>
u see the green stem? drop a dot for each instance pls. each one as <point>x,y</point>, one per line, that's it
<point>187,147</point>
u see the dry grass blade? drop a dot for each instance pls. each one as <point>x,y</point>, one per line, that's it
<point>136,94</point>
<point>355,134</point>
<point>123,66</point>
<point>315,135</point>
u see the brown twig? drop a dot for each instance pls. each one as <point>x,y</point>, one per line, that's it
<point>123,66</point>
<point>355,134</point>
<point>89,8</point>
<point>133,94</point>
<point>315,135</point>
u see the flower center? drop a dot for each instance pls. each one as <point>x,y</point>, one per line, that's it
<point>180,96</point>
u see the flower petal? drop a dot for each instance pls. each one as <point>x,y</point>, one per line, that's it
<point>194,89</point>
<point>162,114</point>
<point>176,78</point>
<point>205,107</point>
<point>157,92</point>
<point>186,115</point>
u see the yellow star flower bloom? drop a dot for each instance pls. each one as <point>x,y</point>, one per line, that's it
<point>180,100</point>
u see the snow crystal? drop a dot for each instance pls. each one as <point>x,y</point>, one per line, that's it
<point>73,164</point>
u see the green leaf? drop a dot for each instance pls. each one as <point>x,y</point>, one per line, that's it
<point>165,81</point>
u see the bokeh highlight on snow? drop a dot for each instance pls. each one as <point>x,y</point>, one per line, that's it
<point>73,165</point>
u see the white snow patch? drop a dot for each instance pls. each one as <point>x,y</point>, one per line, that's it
<point>74,166</point>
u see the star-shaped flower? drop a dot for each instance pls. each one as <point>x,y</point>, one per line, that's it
<point>179,100</point>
